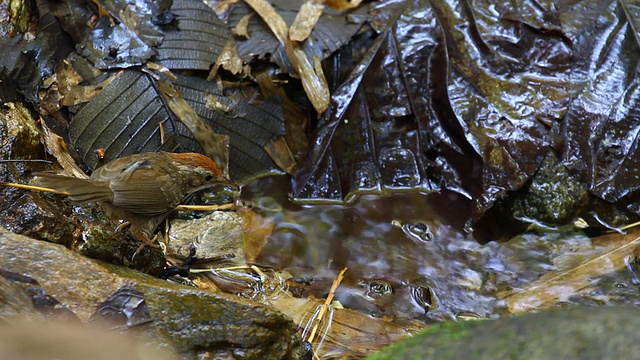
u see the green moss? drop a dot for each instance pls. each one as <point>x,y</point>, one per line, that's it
<point>600,333</point>
<point>440,334</point>
<point>552,197</point>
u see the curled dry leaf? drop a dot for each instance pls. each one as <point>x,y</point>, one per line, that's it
<point>313,80</point>
<point>229,60</point>
<point>350,333</point>
<point>295,117</point>
<point>241,28</point>
<point>315,84</point>
<point>256,231</point>
<point>57,147</point>
<point>342,5</point>
<point>306,19</point>
<point>160,69</point>
<point>280,154</point>
<point>271,17</point>
<point>79,94</point>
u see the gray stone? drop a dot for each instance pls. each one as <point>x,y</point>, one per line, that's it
<point>196,323</point>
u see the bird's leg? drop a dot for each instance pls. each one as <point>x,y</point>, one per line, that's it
<point>145,242</point>
<point>143,229</point>
<point>123,226</point>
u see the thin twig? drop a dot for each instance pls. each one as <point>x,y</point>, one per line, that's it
<point>325,306</point>
<point>26,160</point>
<point>34,188</point>
<point>206,207</point>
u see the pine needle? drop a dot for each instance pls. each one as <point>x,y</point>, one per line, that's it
<point>33,188</point>
<point>206,207</point>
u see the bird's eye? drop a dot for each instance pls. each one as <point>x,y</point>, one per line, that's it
<point>208,178</point>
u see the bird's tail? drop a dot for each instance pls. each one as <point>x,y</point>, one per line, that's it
<point>82,190</point>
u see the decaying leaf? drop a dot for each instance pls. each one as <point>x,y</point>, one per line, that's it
<point>256,232</point>
<point>444,98</point>
<point>350,333</point>
<point>332,31</point>
<point>136,113</point>
<point>577,279</point>
<point>56,146</point>
<point>280,154</point>
<point>72,93</point>
<point>123,39</point>
<point>230,61</point>
<point>601,126</point>
<point>313,82</point>
<point>249,124</point>
<point>295,117</point>
<point>391,151</point>
<point>342,5</point>
<point>124,119</point>
<point>240,29</point>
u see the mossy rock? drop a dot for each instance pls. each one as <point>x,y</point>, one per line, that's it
<point>579,333</point>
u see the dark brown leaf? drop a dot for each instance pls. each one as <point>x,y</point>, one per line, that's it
<point>448,95</point>
<point>129,116</point>
<point>195,39</point>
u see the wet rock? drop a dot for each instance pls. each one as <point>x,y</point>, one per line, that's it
<point>213,236</point>
<point>553,197</point>
<point>196,323</point>
<point>15,303</point>
<point>579,333</point>
<point>37,300</point>
<point>19,139</point>
<point>552,201</point>
<point>21,211</point>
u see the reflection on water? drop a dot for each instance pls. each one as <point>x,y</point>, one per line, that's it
<point>407,254</point>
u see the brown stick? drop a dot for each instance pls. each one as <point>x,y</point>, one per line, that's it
<point>34,188</point>
<point>325,306</point>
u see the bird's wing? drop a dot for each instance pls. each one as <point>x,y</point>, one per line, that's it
<point>138,189</point>
<point>83,190</point>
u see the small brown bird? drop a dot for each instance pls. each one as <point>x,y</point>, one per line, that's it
<point>141,188</point>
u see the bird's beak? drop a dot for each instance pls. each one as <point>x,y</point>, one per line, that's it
<point>228,184</point>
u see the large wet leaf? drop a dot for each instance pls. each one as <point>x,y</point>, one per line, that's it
<point>461,96</point>
<point>388,154</point>
<point>130,116</point>
<point>602,125</point>
<point>125,118</point>
<point>504,100</point>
